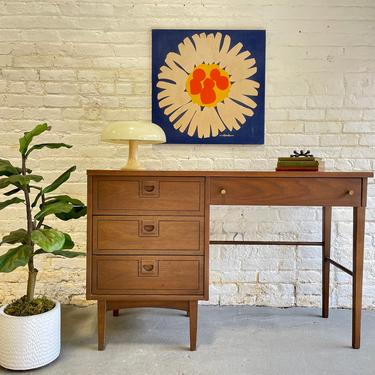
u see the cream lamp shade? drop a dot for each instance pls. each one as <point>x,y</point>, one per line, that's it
<point>134,133</point>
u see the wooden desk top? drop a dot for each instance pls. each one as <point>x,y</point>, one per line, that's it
<point>229,173</point>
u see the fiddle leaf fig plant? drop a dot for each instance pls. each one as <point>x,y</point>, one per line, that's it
<point>37,237</point>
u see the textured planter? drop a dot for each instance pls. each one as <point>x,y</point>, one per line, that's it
<point>28,342</point>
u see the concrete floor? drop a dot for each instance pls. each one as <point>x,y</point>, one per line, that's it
<point>231,340</point>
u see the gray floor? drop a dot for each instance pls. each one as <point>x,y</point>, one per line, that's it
<point>231,340</point>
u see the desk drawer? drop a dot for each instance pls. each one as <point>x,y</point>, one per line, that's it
<point>142,196</point>
<point>124,275</point>
<point>291,191</point>
<point>148,234</point>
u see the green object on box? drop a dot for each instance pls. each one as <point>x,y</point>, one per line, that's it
<point>304,158</point>
<point>302,163</point>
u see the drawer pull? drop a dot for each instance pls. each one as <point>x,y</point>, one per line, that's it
<point>351,192</point>
<point>149,228</point>
<point>148,267</point>
<point>149,188</point>
<point>223,191</point>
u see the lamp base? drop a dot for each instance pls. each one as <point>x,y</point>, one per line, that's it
<point>133,164</point>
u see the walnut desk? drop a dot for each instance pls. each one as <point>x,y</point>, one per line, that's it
<point>148,233</point>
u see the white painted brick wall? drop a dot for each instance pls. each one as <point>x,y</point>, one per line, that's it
<point>79,64</point>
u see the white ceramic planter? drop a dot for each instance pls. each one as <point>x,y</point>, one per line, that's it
<point>28,342</point>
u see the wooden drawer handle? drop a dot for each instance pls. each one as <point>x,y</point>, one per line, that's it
<point>351,192</point>
<point>223,191</point>
<point>149,228</point>
<point>149,188</point>
<point>148,267</point>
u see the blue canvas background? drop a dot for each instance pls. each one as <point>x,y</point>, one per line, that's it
<point>252,132</point>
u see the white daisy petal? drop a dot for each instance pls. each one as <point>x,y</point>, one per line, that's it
<point>231,113</point>
<point>216,47</point>
<point>173,107</point>
<point>204,129</point>
<point>169,89</point>
<point>178,100</point>
<point>183,122</point>
<point>172,72</point>
<point>186,58</point>
<point>244,55</point>
<point>200,48</point>
<point>227,116</point>
<point>239,73</point>
<point>225,48</point>
<point>244,100</point>
<point>245,87</point>
<point>182,109</point>
<point>235,50</point>
<point>216,124</point>
<point>240,97</point>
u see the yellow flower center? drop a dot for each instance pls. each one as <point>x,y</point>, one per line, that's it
<point>208,85</point>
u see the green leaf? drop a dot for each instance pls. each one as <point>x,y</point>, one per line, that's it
<point>19,235</point>
<point>68,244</point>
<point>10,201</point>
<point>64,198</point>
<point>63,206</point>
<point>48,239</point>
<point>13,258</point>
<point>64,253</point>
<point>59,181</point>
<point>54,208</point>
<point>11,192</point>
<point>75,213</point>
<point>34,177</point>
<point>47,145</point>
<point>6,168</point>
<point>78,208</point>
<point>19,180</point>
<point>28,137</point>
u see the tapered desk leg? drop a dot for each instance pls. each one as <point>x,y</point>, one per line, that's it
<point>193,320</point>
<point>326,251</point>
<point>358,249</point>
<point>116,312</point>
<point>102,309</point>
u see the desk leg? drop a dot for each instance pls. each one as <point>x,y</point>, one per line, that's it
<point>102,309</point>
<point>193,317</point>
<point>358,249</point>
<point>326,251</point>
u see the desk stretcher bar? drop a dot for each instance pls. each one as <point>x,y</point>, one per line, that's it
<point>285,243</point>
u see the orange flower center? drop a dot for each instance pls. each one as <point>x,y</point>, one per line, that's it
<point>208,85</point>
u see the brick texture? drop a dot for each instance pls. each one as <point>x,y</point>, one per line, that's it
<point>79,64</point>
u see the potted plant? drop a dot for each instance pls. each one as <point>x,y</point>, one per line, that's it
<point>29,326</point>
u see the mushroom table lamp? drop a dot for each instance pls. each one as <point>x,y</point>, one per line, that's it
<point>133,132</point>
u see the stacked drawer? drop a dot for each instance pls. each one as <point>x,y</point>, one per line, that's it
<point>147,236</point>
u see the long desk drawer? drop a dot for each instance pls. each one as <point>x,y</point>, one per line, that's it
<point>286,191</point>
<point>124,275</point>
<point>148,235</point>
<point>145,195</point>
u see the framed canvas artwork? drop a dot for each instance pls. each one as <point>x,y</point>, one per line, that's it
<point>208,85</point>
